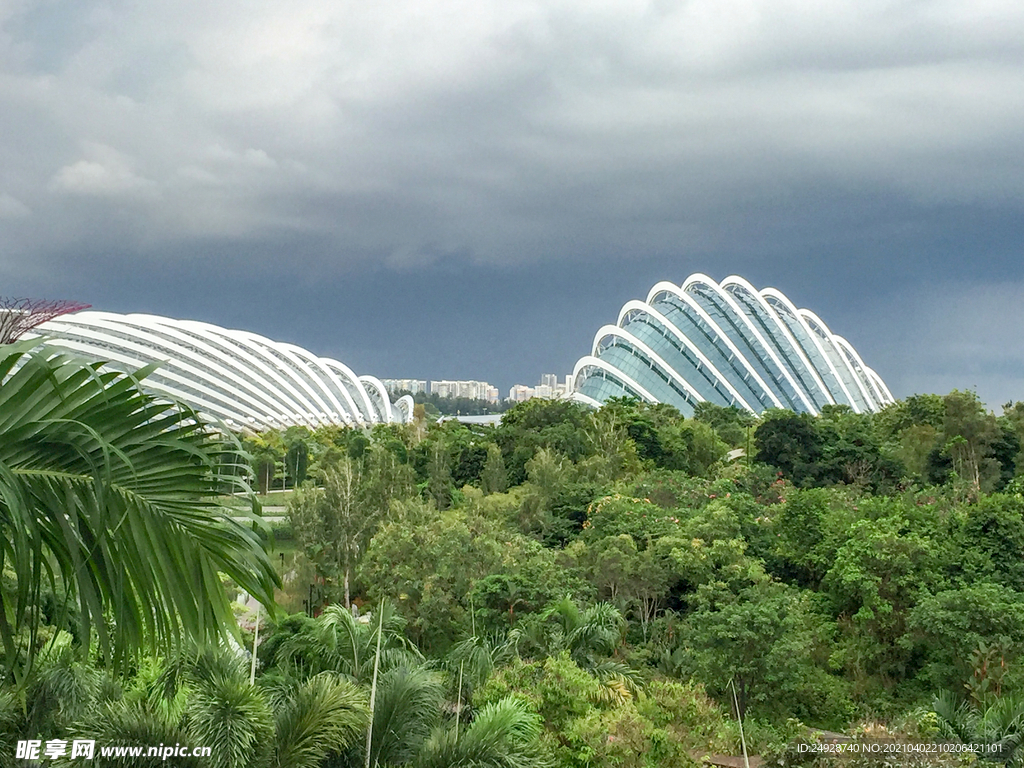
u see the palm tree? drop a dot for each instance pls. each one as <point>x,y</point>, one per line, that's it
<point>408,708</point>
<point>592,633</point>
<point>409,729</point>
<point>999,725</point>
<point>205,698</point>
<point>107,497</point>
<point>504,734</point>
<point>590,637</point>
<point>473,660</point>
<point>327,714</point>
<point>337,641</point>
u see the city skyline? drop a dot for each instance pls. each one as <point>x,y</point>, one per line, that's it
<point>467,192</point>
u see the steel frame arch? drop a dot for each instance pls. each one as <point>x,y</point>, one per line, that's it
<point>770,347</point>
<point>688,300</point>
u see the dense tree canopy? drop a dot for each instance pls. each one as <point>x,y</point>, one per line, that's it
<point>572,587</point>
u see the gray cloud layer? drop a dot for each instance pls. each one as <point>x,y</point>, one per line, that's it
<point>834,150</point>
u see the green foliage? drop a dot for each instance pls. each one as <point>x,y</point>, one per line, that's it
<point>690,715</point>
<point>621,737</point>
<point>335,523</point>
<point>503,734</point>
<point>555,567</point>
<point>733,425</point>
<point>770,643</point>
<point>337,642</point>
<point>325,714</point>
<point>790,442</point>
<point>948,627</point>
<point>587,723</point>
<point>407,709</point>
<point>810,527</point>
<point>494,478</point>
<point>109,494</point>
<point>556,688</point>
<point>556,425</point>
<point>430,569</point>
<point>637,518</point>
<point>878,576</point>
<point>226,711</point>
<point>997,729</point>
<point>992,535</point>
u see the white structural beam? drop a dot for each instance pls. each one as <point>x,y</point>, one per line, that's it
<point>236,377</point>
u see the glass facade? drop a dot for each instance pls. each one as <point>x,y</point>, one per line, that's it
<point>728,344</point>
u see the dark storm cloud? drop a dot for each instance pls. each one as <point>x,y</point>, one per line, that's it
<point>291,167</point>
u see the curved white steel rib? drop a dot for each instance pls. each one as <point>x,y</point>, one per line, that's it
<point>818,325</point>
<point>880,385</point>
<point>147,342</point>
<point>615,373</point>
<point>772,293</point>
<point>737,285</point>
<point>378,394</point>
<point>640,307</point>
<point>629,338</point>
<point>862,371</point>
<point>237,377</point>
<point>696,281</point>
<point>807,363</point>
<point>405,405</point>
<point>723,337</point>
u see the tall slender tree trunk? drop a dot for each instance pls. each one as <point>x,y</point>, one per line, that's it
<point>348,602</point>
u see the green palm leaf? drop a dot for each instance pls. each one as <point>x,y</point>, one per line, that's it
<point>408,707</point>
<point>107,496</point>
<point>228,713</point>
<point>336,641</point>
<point>326,714</point>
<point>504,734</point>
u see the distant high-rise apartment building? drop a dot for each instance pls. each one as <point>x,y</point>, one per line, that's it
<point>405,385</point>
<point>520,393</point>
<point>549,388</point>
<point>474,390</point>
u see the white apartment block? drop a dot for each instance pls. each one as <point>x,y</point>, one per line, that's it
<point>475,390</point>
<point>549,388</point>
<point>407,385</point>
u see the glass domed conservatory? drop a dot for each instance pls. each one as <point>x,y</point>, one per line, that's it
<point>244,380</point>
<point>729,344</point>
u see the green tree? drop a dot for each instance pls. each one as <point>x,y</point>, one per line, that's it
<point>494,479</point>
<point>207,699</point>
<point>878,575</point>
<point>949,626</point>
<point>335,523</point>
<point>768,643</point>
<point>297,461</point>
<point>996,731</point>
<point>790,442</point>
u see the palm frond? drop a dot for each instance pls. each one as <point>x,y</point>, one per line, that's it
<point>336,641</point>
<point>131,723</point>
<point>407,708</point>
<point>227,713</point>
<point>504,734</point>
<point>107,494</point>
<point>326,714</point>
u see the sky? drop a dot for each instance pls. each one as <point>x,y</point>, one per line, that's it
<point>469,190</point>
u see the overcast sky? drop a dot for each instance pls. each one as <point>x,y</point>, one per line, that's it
<point>449,189</point>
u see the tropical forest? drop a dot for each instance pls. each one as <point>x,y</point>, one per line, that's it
<point>572,587</point>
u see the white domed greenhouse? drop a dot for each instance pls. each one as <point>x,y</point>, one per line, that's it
<point>726,343</point>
